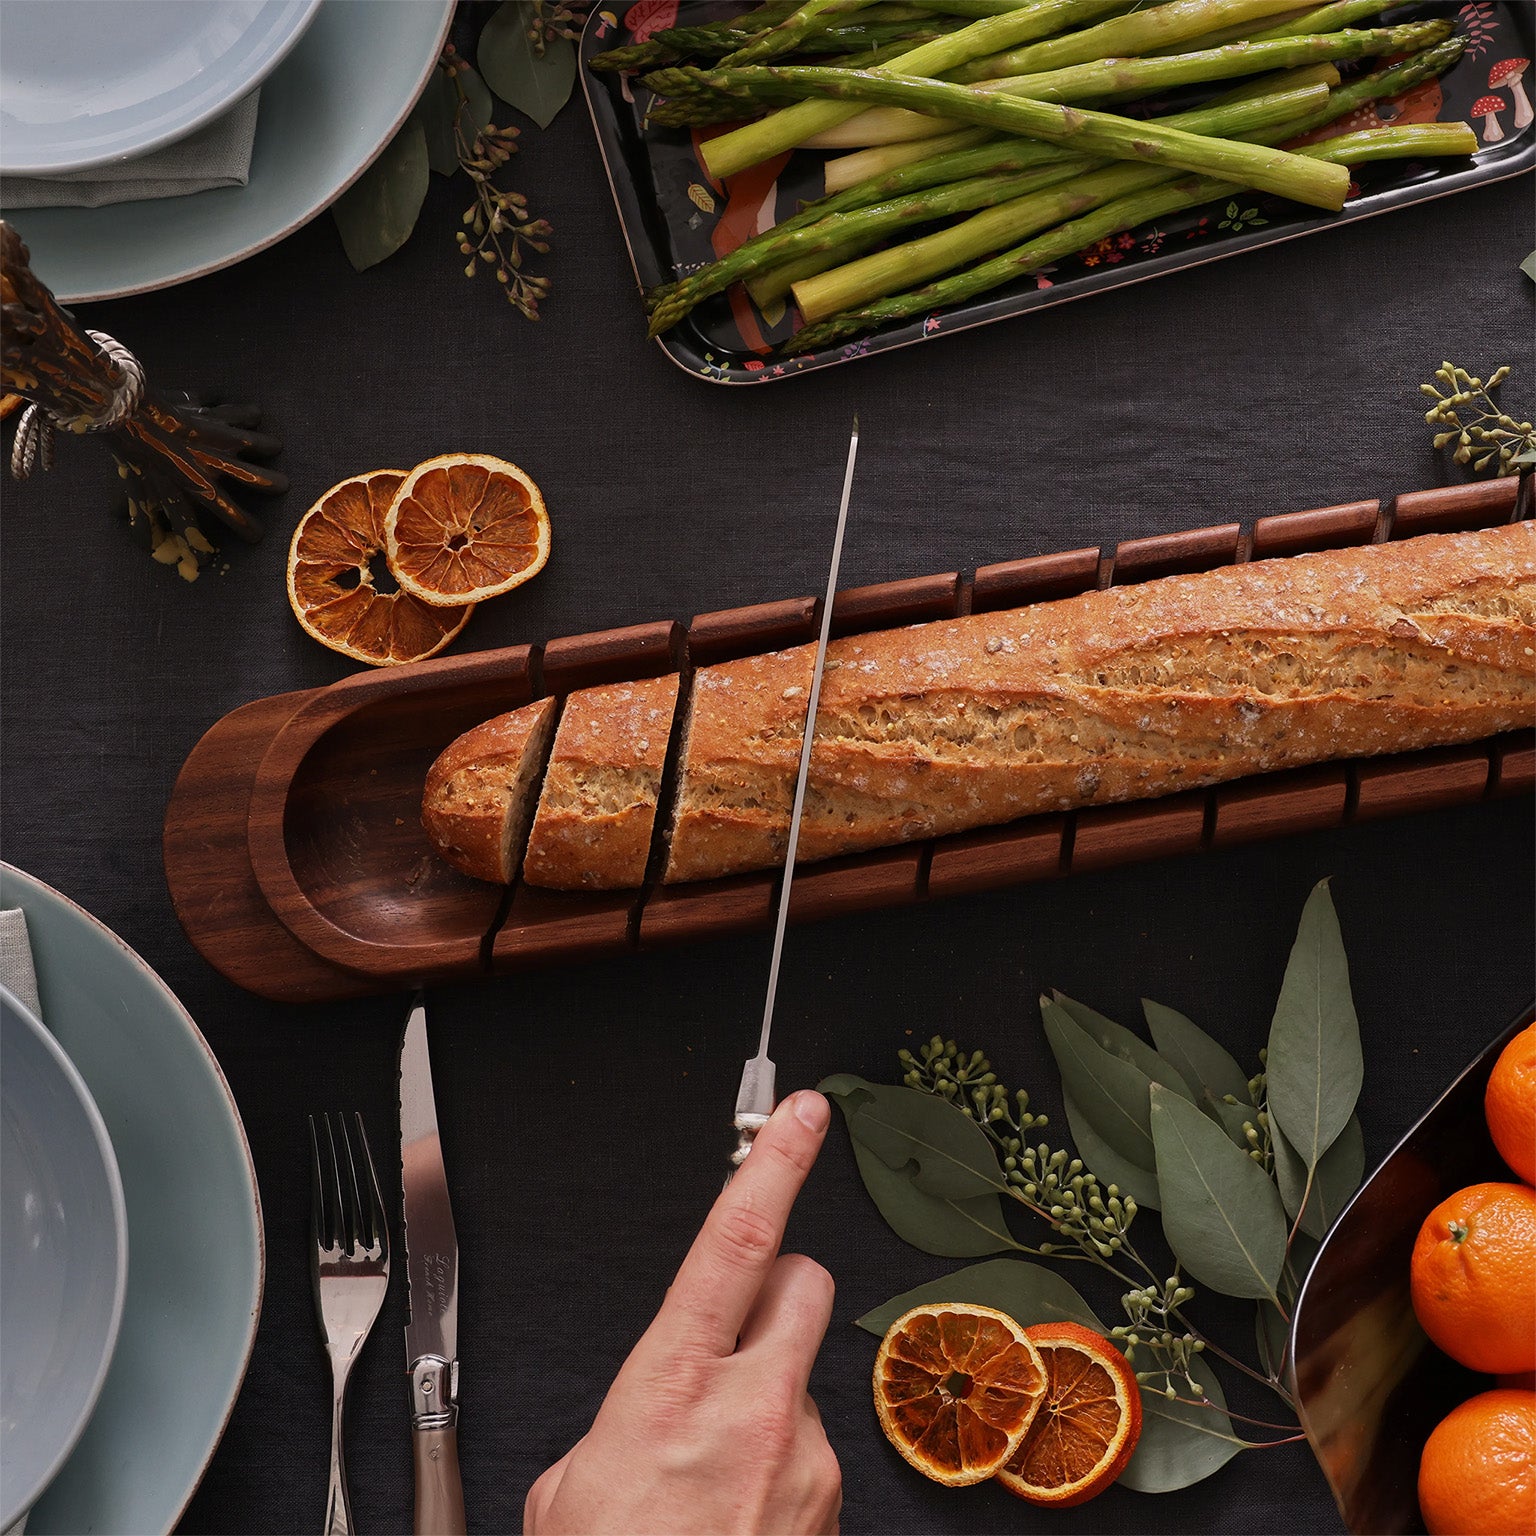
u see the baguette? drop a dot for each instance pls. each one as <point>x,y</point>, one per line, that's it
<point>481,791</point>
<point>1126,693</point>
<point>593,827</point>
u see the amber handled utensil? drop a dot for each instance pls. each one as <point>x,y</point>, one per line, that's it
<point>349,1262</point>
<point>755,1097</point>
<point>432,1271</point>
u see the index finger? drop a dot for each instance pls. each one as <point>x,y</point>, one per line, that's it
<point>733,1253</point>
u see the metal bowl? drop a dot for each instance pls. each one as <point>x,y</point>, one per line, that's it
<point>1368,1384</point>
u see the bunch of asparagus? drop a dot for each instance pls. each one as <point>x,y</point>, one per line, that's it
<point>990,138</point>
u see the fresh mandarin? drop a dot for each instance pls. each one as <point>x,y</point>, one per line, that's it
<point>1510,1104</point>
<point>1477,1474</point>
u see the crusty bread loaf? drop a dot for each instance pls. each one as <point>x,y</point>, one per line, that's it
<point>592,830</point>
<point>1114,695</point>
<point>481,791</point>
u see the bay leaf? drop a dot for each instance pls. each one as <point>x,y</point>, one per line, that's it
<point>1122,1042</point>
<point>954,1229</point>
<point>1182,1444</point>
<point>1221,1212</point>
<point>1028,1293</point>
<point>1107,1164</point>
<point>1110,1093</point>
<point>1202,1062</point>
<point>536,84</point>
<point>435,112</point>
<point>1314,1064</point>
<point>376,214</point>
<point>1335,1179</point>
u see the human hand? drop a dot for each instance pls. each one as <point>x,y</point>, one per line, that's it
<point>709,1426</point>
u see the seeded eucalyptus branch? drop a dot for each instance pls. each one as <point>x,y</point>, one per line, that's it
<point>1483,434</point>
<point>1244,1172</point>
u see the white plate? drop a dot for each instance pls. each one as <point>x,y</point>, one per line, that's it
<point>194,1225</point>
<point>326,112</point>
<point>85,82</point>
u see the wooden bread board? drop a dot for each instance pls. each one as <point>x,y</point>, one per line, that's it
<point>298,867</point>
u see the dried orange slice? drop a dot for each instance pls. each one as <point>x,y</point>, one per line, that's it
<point>956,1387</point>
<point>331,581</point>
<point>1088,1424</point>
<point>464,527</point>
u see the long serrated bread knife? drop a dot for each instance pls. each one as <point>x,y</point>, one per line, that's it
<point>432,1269</point>
<point>755,1098</point>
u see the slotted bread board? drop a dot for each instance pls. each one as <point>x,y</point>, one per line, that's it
<point>298,866</point>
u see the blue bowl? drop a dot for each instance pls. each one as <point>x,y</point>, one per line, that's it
<point>63,1257</point>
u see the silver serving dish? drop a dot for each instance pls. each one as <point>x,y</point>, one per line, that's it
<point>1368,1384</point>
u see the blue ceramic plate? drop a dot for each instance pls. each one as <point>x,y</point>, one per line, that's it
<point>103,80</point>
<point>326,112</point>
<point>194,1224</point>
<point>63,1257</point>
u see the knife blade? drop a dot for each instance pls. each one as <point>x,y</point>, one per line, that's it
<point>755,1097</point>
<point>432,1275</point>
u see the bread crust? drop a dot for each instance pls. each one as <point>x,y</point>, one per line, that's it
<point>593,827</point>
<point>481,789</point>
<point>1126,693</point>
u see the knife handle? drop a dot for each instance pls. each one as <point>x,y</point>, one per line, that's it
<point>439,1491</point>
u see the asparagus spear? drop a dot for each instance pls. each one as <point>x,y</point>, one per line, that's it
<point>824,293</point>
<point>1138,33</point>
<point>1154,203</point>
<point>745,146</point>
<point>1326,18</point>
<point>849,170</point>
<point>1305,180</point>
<point>1009,157</point>
<point>812,16</point>
<point>1107,79</point>
<point>666,46</point>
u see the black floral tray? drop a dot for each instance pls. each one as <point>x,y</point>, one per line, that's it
<point>676,219</point>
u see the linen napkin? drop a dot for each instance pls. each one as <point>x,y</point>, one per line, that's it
<point>16,970</point>
<point>217,155</point>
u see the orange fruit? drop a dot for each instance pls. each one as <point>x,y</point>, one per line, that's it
<point>464,527</point>
<point>1510,1104</point>
<point>1088,1424</point>
<point>331,581</point>
<point>1474,1277</point>
<point>1477,1473</point>
<point>956,1386</point>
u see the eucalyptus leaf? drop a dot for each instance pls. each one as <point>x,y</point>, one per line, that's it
<point>1182,1444</point>
<point>954,1229</point>
<point>1528,266</point>
<point>1190,1051</point>
<point>1121,1042</point>
<point>1028,1293</point>
<point>1336,1178</point>
<point>435,111</point>
<point>481,108</point>
<point>1107,1164</point>
<point>377,213</point>
<point>1110,1093</point>
<point>535,84</point>
<point>1314,1064</point>
<point>948,1153</point>
<point>1270,1333</point>
<point>1221,1212</point>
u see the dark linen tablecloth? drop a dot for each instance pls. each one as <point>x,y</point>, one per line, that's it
<point>585,1109</point>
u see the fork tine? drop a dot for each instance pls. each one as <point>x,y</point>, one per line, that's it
<point>346,1181</point>
<point>378,1230</point>
<point>341,1236</point>
<point>319,1215</point>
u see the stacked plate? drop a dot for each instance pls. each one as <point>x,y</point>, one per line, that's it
<point>271,107</point>
<point>131,1258</point>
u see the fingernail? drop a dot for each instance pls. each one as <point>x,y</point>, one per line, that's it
<point>812,1110</point>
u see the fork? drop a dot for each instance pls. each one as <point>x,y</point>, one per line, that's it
<point>349,1263</point>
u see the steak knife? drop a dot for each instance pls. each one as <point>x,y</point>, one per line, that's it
<point>432,1270</point>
